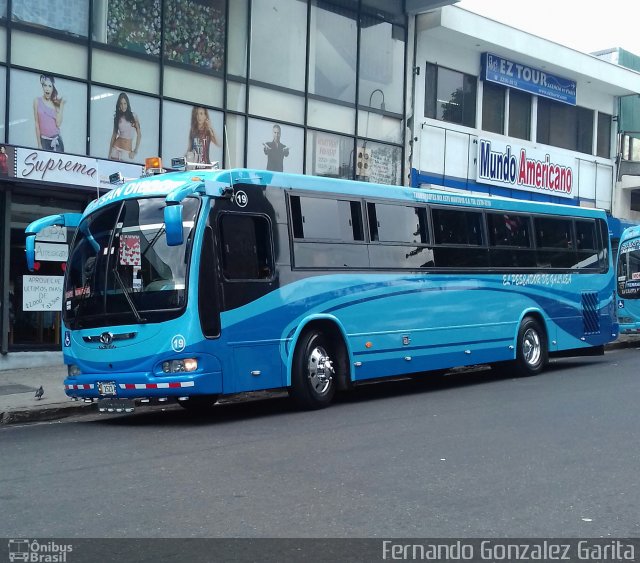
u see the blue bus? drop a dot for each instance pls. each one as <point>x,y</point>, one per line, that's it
<point>189,285</point>
<point>629,281</point>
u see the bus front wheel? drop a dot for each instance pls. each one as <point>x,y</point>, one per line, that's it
<point>531,353</point>
<point>313,379</point>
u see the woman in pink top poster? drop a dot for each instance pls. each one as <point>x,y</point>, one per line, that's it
<point>125,124</point>
<point>47,111</point>
<point>201,136</point>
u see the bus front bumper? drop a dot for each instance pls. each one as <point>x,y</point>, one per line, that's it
<point>142,385</point>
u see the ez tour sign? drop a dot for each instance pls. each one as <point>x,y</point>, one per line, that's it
<point>524,168</point>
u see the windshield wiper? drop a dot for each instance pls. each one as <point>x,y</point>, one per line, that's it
<point>127,296</point>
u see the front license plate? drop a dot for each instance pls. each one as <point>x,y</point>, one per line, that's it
<point>107,388</point>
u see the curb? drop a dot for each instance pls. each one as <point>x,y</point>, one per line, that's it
<point>53,412</point>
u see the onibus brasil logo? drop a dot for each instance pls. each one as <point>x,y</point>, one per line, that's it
<point>38,552</point>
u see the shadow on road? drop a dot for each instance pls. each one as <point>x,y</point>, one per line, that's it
<point>277,403</point>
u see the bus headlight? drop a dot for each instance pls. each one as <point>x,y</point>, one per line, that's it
<point>73,370</point>
<point>179,366</point>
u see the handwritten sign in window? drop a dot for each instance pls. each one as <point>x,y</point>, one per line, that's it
<point>42,293</point>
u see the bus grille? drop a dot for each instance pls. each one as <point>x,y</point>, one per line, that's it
<point>590,317</point>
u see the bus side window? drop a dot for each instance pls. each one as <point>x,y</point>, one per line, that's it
<point>246,247</point>
<point>208,292</point>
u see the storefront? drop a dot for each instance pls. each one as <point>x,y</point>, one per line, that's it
<point>34,184</point>
<point>502,112</point>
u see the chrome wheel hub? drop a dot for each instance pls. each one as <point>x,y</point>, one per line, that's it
<point>320,370</point>
<point>531,347</point>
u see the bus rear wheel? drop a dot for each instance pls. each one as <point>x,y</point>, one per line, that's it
<point>198,403</point>
<point>531,352</point>
<point>313,379</point>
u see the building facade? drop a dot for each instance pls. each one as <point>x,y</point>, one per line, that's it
<point>89,87</point>
<point>499,111</point>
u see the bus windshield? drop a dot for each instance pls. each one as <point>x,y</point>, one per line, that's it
<point>120,269</point>
<point>629,269</point>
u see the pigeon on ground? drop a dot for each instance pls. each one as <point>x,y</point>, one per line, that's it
<point>39,393</point>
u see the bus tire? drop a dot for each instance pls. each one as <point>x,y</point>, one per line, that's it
<point>531,352</point>
<point>198,403</point>
<point>313,378</point>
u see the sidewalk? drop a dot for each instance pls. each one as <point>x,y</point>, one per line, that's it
<point>18,388</point>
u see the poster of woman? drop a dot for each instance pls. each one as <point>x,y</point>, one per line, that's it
<point>195,132</point>
<point>52,118</point>
<point>126,131</point>
<point>124,126</point>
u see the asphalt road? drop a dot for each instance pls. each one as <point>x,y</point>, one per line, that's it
<point>465,455</point>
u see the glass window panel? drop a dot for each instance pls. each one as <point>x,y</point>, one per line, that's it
<point>586,235</point>
<point>378,163</point>
<point>457,227</point>
<point>246,247</point>
<point>329,155</point>
<point>238,37</point>
<point>128,24</point>
<point>48,112</point>
<point>585,130</point>
<point>519,114</point>
<point>274,146</point>
<point>124,126</point>
<point>236,96</point>
<point>326,115</point>
<point>276,104</point>
<point>278,37</point>
<point>194,132</point>
<point>194,33</point>
<point>59,56</point>
<point>203,89</point>
<point>332,57</point>
<point>3,44</point>
<point>397,223</point>
<point>3,85</point>
<point>234,141</point>
<point>553,233</point>
<point>493,98</point>
<point>326,219</point>
<point>382,47</point>
<point>453,96</point>
<point>129,73</point>
<point>3,8</point>
<point>604,135</point>
<point>508,230</point>
<point>375,125</point>
<point>564,126</point>
<point>69,16</point>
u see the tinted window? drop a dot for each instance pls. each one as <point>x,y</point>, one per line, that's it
<point>246,247</point>
<point>397,223</point>
<point>586,235</point>
<point>457,227</point>
<point>508,230</point>
<point>326,219</point>
<point>553,233</point>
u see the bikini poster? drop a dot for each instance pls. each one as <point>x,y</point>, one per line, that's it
<point>192,131</point>
<point>47,112</point>
<point>124,126</point>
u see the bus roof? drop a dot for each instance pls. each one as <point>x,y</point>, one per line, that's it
<point>163,184</point>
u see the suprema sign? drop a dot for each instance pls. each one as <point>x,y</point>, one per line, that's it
<point>524,169</point>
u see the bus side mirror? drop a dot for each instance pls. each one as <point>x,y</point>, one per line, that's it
<point>173,225</point>
<point>30,248</point>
